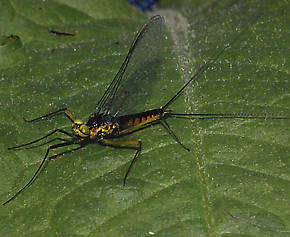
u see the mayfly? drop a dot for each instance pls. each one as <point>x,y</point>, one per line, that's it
<point>115,114</point>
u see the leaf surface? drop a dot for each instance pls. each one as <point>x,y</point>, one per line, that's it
<point>235,179</point>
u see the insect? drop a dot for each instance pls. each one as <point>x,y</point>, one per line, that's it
<point>115,114</point>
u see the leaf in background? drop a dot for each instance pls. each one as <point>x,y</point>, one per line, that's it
<point>235,180</point>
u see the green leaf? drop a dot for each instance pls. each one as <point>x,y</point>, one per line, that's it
<point>235,179</point>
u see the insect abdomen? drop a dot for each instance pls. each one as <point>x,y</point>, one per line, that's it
<point>139,120</point>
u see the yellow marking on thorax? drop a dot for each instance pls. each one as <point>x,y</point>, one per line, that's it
<point>102,130</point>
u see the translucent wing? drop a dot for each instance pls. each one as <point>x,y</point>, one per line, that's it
<point>129,88</point>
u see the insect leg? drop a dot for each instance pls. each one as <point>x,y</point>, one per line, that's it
<point>39,139</point>
<point>53,114</point>
<point>168,129</point>
<point>45,143</point>
<point>57,156</point>
<point>38,170</point>
<point>138,148</point>
<point>138,151</point>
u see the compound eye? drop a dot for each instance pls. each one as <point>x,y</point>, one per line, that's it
<point>80,129</point>
<point>84,129</point>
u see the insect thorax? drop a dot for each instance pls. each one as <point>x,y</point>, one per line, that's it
<point>102,126</point>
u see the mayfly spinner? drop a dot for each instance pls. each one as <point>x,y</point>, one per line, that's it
<point>115,115</point>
